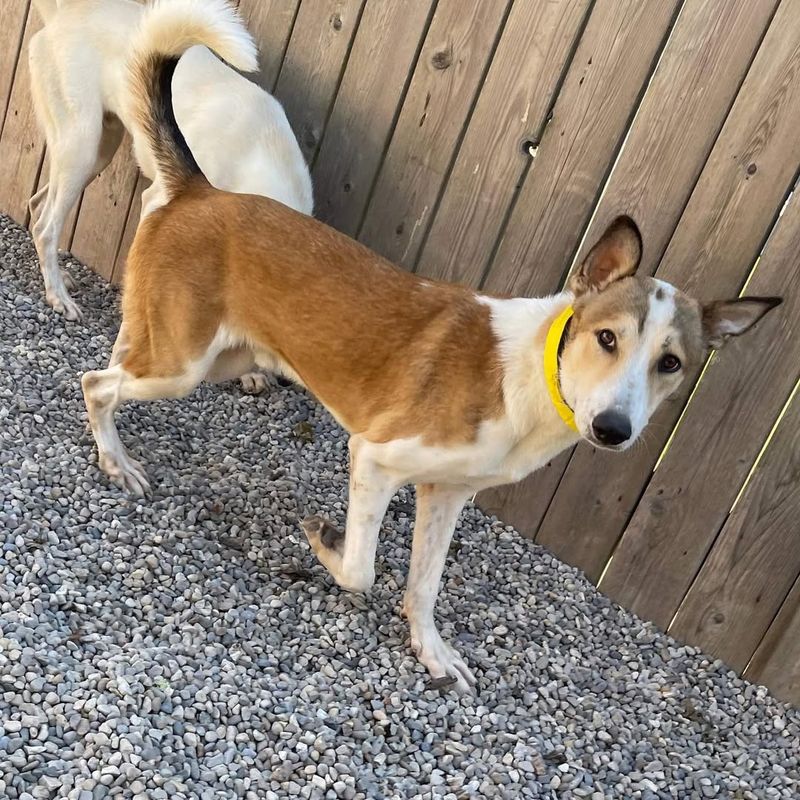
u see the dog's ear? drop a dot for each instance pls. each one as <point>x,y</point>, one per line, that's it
<point>725,318</point>
<point>616,255</point>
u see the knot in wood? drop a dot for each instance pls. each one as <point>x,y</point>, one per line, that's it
<point>442,60</point>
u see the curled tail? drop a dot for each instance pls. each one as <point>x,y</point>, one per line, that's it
<point>168,28</point>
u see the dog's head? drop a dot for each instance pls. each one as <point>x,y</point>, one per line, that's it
<point>633,340</point>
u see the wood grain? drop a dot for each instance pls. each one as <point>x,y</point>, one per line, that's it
<point>104,212</point>
<point>21,143</point>
<point>776,663</point>
<point>754,561</point>
<point>715,445</point>
<point>313,65</point>
<point>449,72</point>
<point>131,223</point>
<point>524,504</point>
<point>717,240</point>
<point>364,113</point>
<point>681,115</point>
<point>600,95</point>
<point>270,22</point>
<point>531,57</point>
<point>13,13</point>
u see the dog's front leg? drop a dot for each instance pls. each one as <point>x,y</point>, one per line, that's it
<point>438,507</point>
<point>349,555</point>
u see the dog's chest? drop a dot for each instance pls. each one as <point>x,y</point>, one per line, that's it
<point>496,456</point>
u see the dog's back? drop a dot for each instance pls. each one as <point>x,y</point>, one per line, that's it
<point>268,159</point>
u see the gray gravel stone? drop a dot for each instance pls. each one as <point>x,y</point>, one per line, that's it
<point>190,645</point>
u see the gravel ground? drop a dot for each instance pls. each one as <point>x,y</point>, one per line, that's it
<point>191,647</point>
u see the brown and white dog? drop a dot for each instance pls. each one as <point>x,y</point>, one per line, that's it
<point>438,385</point>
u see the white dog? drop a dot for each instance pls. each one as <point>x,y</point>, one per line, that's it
<point>79,67</point>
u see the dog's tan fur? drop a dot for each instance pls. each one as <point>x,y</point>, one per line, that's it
<point>438,385</point>
<point>204,263</point>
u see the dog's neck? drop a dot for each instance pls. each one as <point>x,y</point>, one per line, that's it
<point>521,325</point>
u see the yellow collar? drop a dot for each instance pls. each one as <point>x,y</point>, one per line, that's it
<point>551,347</point>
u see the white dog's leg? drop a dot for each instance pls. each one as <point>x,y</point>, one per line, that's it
<point>350,555</point>
<point>77,153</point>
<point>104,391</point>
<point>438,508</point>
<point>254,382</point>
<point>46,230</point>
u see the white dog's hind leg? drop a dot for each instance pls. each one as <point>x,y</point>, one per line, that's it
<point>254,382</point>
<point>74,157</point>
<point>438,508</point>
<point>350,555</point>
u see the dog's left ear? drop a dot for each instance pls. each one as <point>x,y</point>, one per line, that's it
<point>616,255</point>
<point>725,318</point>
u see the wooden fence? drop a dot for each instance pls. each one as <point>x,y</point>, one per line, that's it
<point>488,141</point>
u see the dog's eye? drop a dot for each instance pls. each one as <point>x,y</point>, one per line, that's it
<point>606,339</point>
<point>669,363</point>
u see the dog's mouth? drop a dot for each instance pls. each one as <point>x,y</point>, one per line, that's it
<point>614,448</point>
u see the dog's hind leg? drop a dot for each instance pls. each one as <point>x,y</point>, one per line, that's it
<point>73,156</point>
<point>80,143</point>
<point>104,391</point>
<point>350,556</point>
<point>438,507</point>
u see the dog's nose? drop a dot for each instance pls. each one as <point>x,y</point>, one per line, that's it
<point>611,427</point>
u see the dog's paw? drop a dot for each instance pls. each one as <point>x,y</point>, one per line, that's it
<point>447,668</point>
<point>126,472</point>
<point>254,382</point>
<point>322,535</point>
<point>62,303</point>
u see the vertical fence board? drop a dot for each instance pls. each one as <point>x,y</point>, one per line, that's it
<point>754,561</point>
<point>449,70</point>
<point>311,70</point>
<point>131,223</point>
<point>608,75</point>
<point>776,663</point>
<point>372,88</point>
<point>13,13</point>
<point>715,445</point>
<point>517,94</point>
<point>714,246</point>
<point>21,144</point>
<point>104,211</point>
<point>270,22</point>
<point>697,80</point>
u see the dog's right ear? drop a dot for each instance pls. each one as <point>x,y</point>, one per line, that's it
<point>616,255</point>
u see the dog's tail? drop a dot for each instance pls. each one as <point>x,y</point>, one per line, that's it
<point>167,29</point>
<point>170,27</point>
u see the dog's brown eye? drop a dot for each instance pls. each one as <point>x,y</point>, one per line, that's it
<point>606,339</point>
<point>669,363</point>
